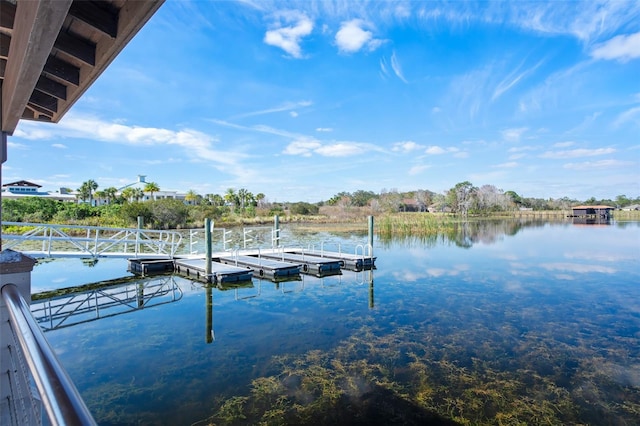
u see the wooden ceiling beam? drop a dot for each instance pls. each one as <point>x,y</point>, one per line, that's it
<point>99,14</point>
<point>62,70</point>
<point>52,87</point>
<point>7,14</point>
<point>5,42</point>
<point>47,102</point>
<point>77,47</point>
<point>36,27</point>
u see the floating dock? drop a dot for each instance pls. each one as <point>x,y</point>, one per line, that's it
<point>352,262</point>
<point>149,266</point>
<point>263,268</point>
<point>220,273</point>
<point>309,264</point>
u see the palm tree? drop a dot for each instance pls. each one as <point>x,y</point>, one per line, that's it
<point>127,194</point>
<point>110,193</point>
<point>243,196</point>
<point>86,190</point>
<point>192,197</point>
<point>151,187</point>
<point>260,199</point>
<point>231,197</point>
<point>137,194</point>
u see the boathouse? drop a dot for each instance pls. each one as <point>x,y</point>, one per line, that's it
<point>603,212</point>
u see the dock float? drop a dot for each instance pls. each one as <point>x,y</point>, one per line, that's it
<point>146,266</point>
<point>263,268</point>
<point>310,264</point>
<point>352,262</point>
<point>220,273</point>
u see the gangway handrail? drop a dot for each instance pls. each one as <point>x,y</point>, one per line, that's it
<point>60,398</point>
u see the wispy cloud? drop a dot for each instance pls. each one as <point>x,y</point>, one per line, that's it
<point>418,169</point>
<point>407,146</point>
<point>353,36</point>
<point>288,31</point>
<point>324,129</point>
<point>576,153</point>
<point>397,69</point>
<point>59,146</point>
<point>306,147</point>
<point>436,150</point>
<point>622,48</point>
<point>513,135</point>
<point>602,164</point>
<point>629,116</point>
<point>196,145</point>
<point>513,79</point>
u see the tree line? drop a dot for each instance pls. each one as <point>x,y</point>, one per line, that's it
<point>112,207</point>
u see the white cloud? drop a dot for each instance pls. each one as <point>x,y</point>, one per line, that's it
<point>438,150</point>
<point>406,146</point>
<point>288,38</point>
<point>575,153</point>
<point>341,149</point>
<point>351,37</point>
<point>602,164</point>
<point>324,129</point>
<point>302,147</point>
<point>59,146</point>
<point>513,135</point>
<point>197,145</point>
<point>622,48</point>
<point>293,114</point>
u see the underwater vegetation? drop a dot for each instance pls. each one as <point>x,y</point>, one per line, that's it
<point>467,376</point>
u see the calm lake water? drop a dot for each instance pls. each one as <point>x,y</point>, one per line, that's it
<point>507,323</point>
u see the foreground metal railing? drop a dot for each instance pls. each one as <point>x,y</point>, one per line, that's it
<point>32,358</point>
<point>54,240</point>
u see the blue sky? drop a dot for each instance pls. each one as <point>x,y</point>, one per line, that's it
<point>300,100</point>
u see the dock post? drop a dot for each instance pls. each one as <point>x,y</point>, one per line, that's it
<point>276,228</point>
<point>371,235</point>
<point>207,244</point>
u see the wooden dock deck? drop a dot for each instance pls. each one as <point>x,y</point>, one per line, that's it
<point>267,268</point>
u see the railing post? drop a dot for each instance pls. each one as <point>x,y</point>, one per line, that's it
<point>15,268</point>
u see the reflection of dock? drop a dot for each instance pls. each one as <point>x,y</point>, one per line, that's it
<point>63,308</point>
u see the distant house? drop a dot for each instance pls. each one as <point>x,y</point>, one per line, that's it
<point>632,207</point>
<point>23,188</point>
<point>593,211</point>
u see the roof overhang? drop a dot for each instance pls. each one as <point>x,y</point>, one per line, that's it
<point>51,51</point>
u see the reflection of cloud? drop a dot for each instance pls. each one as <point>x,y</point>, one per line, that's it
<point>436,272</point>
<point>579,268</point>
<point>600,257</point>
